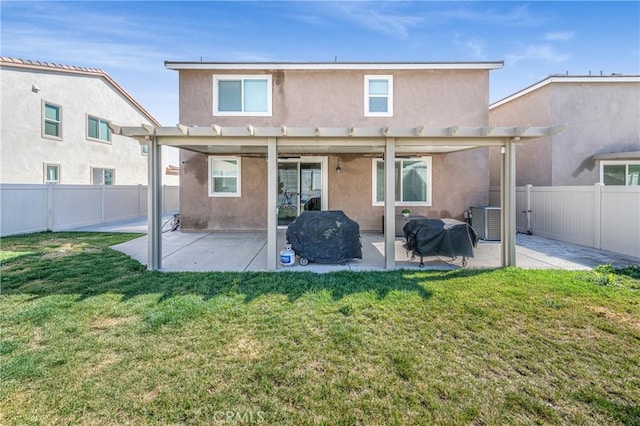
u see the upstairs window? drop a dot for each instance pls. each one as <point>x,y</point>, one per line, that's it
<point>413,182</point>
<point>620,173</point>
<point>248,95</point>
<point>145,149</point>
<point>100,176</point>
<point>98,129</point>
<point>378,96</point>
<point>224,176</point>
<point>52,120</point>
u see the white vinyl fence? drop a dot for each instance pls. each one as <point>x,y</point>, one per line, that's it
<point>34,208</point>
<point>603,217</point>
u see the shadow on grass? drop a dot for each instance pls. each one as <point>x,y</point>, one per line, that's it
<point>83,265</point>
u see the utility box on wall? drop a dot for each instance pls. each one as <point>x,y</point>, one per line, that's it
<point>485,220</point>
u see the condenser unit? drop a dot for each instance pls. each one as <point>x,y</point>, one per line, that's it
<point>485,220</point>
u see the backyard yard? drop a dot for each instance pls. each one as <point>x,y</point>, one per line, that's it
<point>88,336</point>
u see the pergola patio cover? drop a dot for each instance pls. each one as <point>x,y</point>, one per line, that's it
<point>384,141</point>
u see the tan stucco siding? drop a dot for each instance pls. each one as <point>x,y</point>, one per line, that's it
<point>336,99</point>
<point>533,158</point>
<point>331,98</point>
<point>600,118</point>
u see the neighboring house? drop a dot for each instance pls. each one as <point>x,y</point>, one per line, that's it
<point>601,142</point>
<point>55,127</point>
<point>226,189</point>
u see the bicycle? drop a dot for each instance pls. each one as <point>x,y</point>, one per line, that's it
<point>172,224</point>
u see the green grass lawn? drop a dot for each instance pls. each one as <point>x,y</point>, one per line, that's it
<point>88,336</point>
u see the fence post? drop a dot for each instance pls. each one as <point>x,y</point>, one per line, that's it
<point>103,199</point>
<point>49,207</point>
<point>597,215</point>
<point>527,189</point>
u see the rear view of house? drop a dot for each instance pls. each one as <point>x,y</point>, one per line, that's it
<point>225,187</point>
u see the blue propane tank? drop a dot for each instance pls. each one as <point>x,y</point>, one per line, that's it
<point>287,256</point>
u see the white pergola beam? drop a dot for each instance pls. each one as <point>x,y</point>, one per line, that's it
<point>154,203</point>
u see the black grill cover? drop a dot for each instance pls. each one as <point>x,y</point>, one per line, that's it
<point>325,237</point>
<point>439,237</point>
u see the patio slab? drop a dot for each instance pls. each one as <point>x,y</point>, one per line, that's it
<point>244,251</point>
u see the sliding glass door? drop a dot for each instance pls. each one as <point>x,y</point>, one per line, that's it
<point>301,186</point>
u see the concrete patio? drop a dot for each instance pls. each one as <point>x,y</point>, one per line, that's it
<point>242,251</point>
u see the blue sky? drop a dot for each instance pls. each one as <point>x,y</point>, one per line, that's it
<point>131,40</point>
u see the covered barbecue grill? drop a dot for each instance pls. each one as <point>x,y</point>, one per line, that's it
<point>439,237</point>
<point>325,237</point>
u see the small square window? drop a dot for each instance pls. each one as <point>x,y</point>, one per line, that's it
<point>51,173</point>
<point>52,120</point>
<point>145,149</point>
<point>98,129</point>
<point>378,95</point>
<point>224,176</point>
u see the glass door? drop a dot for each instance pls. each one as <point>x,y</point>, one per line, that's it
<point>300,187</point>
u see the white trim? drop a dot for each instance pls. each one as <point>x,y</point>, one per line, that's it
<point>567,79</point>
<point>389,96</point>
<point>238,192</point>
<point>242,77</point>
<point>382,66</point>
<point>374,183</point>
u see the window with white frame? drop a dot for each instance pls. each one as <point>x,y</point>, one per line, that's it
<point>102,176</point>
<point>248,95</point>
<point>51,120</point>
<point>98,129</point>
<point>378,95</point>
<point>413,182</point>
<point>620,173</point>
<point>224,176</point>
<point>51,173</point>
<point>145,149</point>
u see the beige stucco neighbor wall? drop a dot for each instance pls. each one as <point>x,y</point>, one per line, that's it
<point>24,150</point>
<point>600,118</point>
<point>336,99</point>
<point>533,158</point>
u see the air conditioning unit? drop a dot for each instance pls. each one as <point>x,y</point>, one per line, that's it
<point>485,220</point>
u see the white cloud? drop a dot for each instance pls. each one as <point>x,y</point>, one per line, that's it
<point>540,52</point>
<point>476,46</point>
<point>559,36</point>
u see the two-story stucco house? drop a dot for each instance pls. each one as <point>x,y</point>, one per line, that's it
<point>227,189</point>
<point>601,142</point>
<point>55,127</point>
<point>262,142</point>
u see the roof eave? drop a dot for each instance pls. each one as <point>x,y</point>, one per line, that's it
<point>364,66</point>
